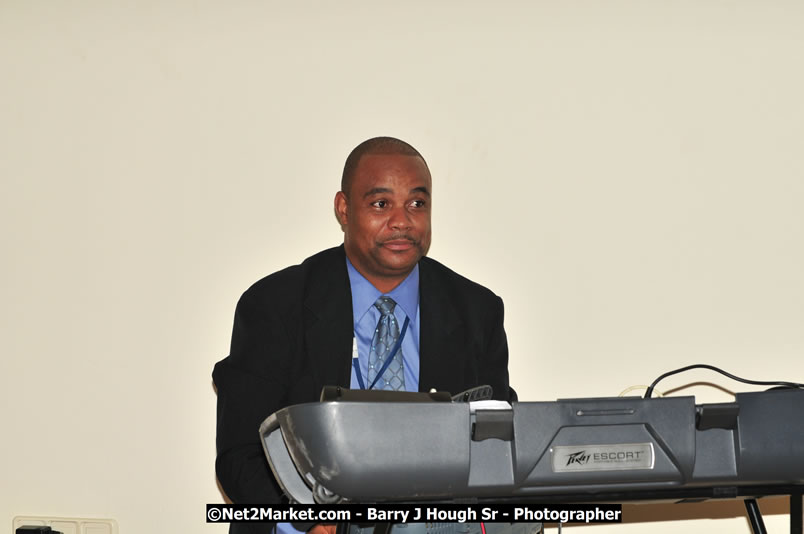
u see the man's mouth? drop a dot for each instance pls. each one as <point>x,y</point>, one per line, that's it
<point>398,245</point>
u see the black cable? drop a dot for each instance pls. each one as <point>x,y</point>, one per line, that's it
<point>649,391</point>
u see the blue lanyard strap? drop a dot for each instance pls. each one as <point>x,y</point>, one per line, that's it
<point>394,350</point>
<point>356,365</point>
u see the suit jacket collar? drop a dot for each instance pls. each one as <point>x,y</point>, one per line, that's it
<point>440,331</point>
<point>329,327</point>
<point>329,324</point>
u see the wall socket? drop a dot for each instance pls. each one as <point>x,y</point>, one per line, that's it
<point>68,525</point>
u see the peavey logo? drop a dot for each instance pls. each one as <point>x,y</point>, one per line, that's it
<point>602,457</point>
<point>579,458</point>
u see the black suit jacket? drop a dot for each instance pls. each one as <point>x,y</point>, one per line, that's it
<point>293,335</point>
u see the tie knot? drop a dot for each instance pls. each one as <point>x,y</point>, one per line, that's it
<point>386,305</point>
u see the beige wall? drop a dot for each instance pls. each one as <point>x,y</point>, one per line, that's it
<point>627,175</point>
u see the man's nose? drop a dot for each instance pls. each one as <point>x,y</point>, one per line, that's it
<point>400,219</point>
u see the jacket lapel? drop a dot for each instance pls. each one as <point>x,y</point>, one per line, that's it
<point>329,325</point>
<point>441,343</point>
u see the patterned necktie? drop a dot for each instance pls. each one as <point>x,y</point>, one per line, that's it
<point>385,337</point>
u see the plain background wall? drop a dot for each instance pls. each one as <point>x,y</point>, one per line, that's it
<point>627,175</point>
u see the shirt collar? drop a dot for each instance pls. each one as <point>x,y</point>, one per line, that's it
<point>364,294</point>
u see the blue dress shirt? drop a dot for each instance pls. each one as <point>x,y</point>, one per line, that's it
<point>366,317</point>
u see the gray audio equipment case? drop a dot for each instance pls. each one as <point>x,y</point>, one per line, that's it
<point>568,450</point>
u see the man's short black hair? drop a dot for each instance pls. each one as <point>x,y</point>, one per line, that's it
<point>376,145</point>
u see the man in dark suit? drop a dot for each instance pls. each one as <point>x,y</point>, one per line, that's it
<point>296,330</point>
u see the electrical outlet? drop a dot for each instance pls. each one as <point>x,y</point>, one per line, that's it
<point>68,525</point>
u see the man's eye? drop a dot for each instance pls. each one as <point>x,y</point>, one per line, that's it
<point>417,204</point>
<point>379,204</point>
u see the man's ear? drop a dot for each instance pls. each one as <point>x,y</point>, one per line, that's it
<point>341,209</point>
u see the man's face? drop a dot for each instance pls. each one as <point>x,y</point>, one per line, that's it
<point>385,217</point>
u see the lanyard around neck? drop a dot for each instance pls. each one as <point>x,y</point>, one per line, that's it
<point>394,350</point>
